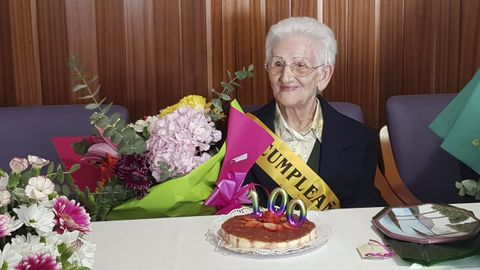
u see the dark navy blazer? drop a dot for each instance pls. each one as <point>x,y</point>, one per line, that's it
<point>347,160</point>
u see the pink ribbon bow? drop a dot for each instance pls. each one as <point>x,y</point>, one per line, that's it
<point>230,194</point>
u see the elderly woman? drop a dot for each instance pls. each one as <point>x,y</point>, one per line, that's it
<point>319,155</point>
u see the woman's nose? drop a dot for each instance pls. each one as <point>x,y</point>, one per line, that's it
<point>287,74</point>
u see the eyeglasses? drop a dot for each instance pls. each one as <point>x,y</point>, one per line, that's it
<point>300,66</point>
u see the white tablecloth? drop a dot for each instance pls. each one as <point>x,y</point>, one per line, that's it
<point>180,243</point>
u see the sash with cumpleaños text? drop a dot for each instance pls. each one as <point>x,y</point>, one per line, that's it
<point>291,173</point>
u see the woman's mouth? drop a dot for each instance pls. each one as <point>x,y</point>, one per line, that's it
<point>288,88</point>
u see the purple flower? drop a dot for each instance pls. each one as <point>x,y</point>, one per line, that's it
<point>38,262</point>
<point>133,171</point>
<point>180,140</point>
<point>70,216</point>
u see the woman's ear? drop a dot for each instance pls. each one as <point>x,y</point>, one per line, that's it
<point>326,73</point>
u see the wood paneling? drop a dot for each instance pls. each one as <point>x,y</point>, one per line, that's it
<point>335,16</point>
<point>470,41</point>
<point>53,50</point>
<point>150,53</point>
<point>24,49</point>
<point>7,96</point>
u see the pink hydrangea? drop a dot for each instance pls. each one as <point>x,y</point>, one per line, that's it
<point>180,140</point>
<point>38,262</point>
<point>70,216</point>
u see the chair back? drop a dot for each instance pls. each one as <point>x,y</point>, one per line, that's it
<point>351,110</point>
<point>28,130</point>
<point>427,170</point>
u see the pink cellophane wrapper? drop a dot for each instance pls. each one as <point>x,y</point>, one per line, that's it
<point>246,141</point>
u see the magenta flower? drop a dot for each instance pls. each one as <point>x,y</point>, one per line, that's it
<point>38,262</point>
<point>70,216</point>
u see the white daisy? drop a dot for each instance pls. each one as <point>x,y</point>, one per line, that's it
<point>38,217</point>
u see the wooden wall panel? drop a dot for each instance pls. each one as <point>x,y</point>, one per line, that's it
<point>391,52</point>
<point>194,47</point>
<point>447,46</point>
<point>335,16</point>
<point>150,53</point>
<point>53,50</point>
<point>167,55</point>
<point>361,57</point>
<point>470,41</point>
<point>81,31</point>
<point>306,8</point>
<point>140,56</point>
<point>419,46</point>
<point>25,56</point>
<point>112,50</point>
<point>7,97</point>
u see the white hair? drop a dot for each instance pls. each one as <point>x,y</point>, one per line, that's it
<point>320,34</point>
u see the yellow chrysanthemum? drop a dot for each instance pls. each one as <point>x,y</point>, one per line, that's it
<point>195,102</point>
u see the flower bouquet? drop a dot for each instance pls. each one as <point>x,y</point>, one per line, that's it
<point>162,165</point>
<point>38,229</point>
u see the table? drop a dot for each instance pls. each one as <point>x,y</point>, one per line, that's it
<point>180,243</point>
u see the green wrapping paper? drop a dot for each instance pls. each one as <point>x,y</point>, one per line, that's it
<point>459,124</point>
<point>183,196</point>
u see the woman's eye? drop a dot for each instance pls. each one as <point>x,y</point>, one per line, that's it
<point>300,64</point>
<point>278,64</point>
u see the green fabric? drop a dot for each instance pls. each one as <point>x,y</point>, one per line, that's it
<point>183,196</point>
<point>459,124</point>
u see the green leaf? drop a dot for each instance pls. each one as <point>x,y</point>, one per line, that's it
<point>103,122</point>
<point>74,168</point>
<point>108,132</point>
<point>50,168</point>
<point>81,148</point>
<point>229,74</point>
<point>225,97</point>
<point>140,146</point>
<point>241,75</point>
<point>72,62</point>
<point>107,107</point>
<point>91,95</point>
<point>13,180</point>
<point>79,87</point>
<point>60,176</point>
<point>114,118</point>
<point>91,106</point>
<point>94,78</point>
<point>66,190</point>
<point>116,138</point>
<point>235,84</point>
<point>251,67</point>
<point>215,92</point>
<point>217,104</point>
<point>129,134</point>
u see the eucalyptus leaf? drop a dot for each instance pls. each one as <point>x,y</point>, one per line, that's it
<point>229,75</point>
<point>241,75</point>
<point>226,97</point>
<point>251,67</point>
<point>91,95</point>
<point>140,146</point>
<point>108,132</point>
<point>91,106</point>
<point>101,101</point>
<point>102,122</point>
<point>79,87</point>
<point>66,190</point>
<point>116,138</point>
<point>74,168</point>
<point>107,107</point>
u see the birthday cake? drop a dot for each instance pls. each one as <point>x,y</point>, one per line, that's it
<point>245,233</point>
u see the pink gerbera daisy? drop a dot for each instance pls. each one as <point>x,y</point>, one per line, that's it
<point>38,262</point>
<point>70,216</point>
